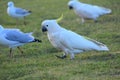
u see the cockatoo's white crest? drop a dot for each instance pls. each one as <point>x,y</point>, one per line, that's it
<point>60,18</point>
<point>51,25</point>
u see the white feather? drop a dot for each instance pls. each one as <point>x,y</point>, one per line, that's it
<point>16,12</point>
<point>88,11</point>
<point>68,41</point>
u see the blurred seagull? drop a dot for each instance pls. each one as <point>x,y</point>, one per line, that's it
<point>16,12</point>
<point>15,38</point>
<point>87,11</point>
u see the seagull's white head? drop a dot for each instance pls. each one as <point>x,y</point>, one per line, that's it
<point>51,25</point>
<point>1,28</point>
<point>10,3</point>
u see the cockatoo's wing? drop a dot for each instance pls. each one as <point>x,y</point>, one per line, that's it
<point>95,9</point>
<point>97,43</point>
<point>72,40</point>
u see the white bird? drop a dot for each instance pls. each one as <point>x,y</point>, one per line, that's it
<point>87,11</point>
<point>16,12</point>
<point>69,42</point>
<point>15,38</point>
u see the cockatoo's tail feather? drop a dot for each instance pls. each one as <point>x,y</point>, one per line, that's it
<point>106,10</point>
<point>102,47</point>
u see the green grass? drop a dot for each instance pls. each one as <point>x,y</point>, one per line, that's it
<point>39,61</point>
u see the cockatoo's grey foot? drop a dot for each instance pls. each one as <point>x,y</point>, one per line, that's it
<point>95,21</point>
<point>61,57</point>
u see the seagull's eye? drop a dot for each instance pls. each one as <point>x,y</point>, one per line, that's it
<point>47,25</point>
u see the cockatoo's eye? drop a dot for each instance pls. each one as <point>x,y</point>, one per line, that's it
<point>47,25</point>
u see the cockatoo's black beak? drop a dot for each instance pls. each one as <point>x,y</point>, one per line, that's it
<point>70,7</point>
<point>44,29</point>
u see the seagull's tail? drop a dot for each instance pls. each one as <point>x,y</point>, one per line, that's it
<point>37,40</point>
<point>30,11</point>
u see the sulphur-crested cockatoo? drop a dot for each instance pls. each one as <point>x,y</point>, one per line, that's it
<point>68,41</point>
<point>87,11</point>
<point>17,12</point>
<point>15,38</point>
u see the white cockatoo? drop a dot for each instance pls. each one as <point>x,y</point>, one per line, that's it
<point>17,12</point>
<point>68,41</point>
<point>87,11</point>
<point>15,38</point>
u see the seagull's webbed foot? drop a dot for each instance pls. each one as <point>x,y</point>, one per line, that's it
<point>61,57</point>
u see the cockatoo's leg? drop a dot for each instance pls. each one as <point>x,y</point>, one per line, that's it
<point>72,56</point>
<point>95,20</point>
<point>83,20</point>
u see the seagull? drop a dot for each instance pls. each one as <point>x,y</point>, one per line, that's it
<point>15,38</point>
<point>16,12</point>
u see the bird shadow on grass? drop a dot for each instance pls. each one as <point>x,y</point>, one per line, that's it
<point>12,23</point>
<point>35,53</point>
<point>53,50</point>
<point>2,22</point>
<point>108,19</point>
<point>102,57</point>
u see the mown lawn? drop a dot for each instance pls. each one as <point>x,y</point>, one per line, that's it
<point>39,61</point>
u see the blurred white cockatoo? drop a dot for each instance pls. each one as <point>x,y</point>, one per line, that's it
<point>68,41</point>
<point>87,11</point>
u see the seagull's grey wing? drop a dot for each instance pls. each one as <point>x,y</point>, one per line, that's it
<point>16,35</point>
<point>22,11</point>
